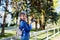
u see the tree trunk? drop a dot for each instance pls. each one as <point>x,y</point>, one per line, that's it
<point>4,20</point>
<point>43,27</point>
<point>42,20</point>
<point>3,26</point>
<point>40,24</point>
<point>36,25</point>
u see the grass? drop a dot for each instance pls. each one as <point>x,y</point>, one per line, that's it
<point>39,37</point>
<point>13,33</point>
<point>57,36</point>
<point>34,30</point>
<point>8,33</point>
<point>42,36</point>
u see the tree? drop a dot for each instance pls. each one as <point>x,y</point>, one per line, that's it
<point>4,20</point>
<point>39,6</point>
<point>44,7</point>
<point>15,10</point>
<point>0,2</point>
<point>34,19</point>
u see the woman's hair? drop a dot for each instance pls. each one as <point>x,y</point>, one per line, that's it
<point>22,14</point>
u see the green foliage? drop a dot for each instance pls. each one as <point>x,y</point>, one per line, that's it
<point>17,0</point>
<point>37,5</point>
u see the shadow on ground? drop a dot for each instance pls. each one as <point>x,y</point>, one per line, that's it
<point>6,35</point>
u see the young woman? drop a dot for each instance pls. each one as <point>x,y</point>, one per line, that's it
<point>24,27</point>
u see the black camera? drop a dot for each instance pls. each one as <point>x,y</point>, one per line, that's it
<point>33,20</point>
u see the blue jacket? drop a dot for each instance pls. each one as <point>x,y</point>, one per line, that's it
<point>25,33</point>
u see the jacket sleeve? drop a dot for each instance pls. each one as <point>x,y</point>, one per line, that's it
<point>21,25</point>
<point>28,27</point>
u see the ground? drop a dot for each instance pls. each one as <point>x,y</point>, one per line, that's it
<point>57,37</point>
<point>10,31</point>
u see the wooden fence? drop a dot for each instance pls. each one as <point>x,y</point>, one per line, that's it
<point>35,34</point>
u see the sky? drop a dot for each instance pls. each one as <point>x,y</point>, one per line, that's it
<point>57,9</point>
<point>9,6</point>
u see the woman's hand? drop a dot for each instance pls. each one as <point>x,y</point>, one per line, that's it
<point>30,20</point>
